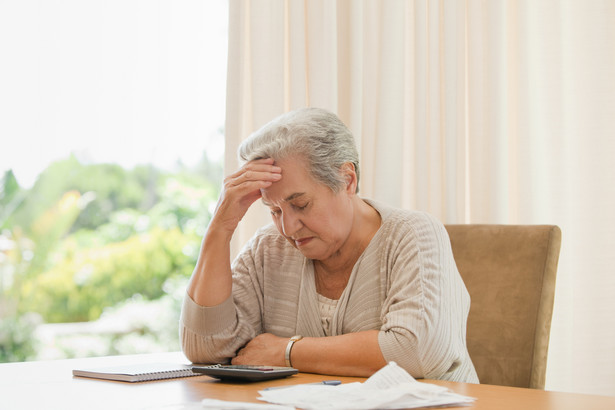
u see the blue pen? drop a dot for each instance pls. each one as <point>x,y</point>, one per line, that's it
<point>330,382</point>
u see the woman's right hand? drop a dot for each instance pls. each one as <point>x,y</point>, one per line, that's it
<point>241,190</point>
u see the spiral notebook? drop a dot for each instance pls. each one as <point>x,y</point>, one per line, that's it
<point>137,372</point>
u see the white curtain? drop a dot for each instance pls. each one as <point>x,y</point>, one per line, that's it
<point>477,112</point>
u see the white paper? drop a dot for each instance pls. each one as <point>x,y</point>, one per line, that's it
<point>239,405</point>
<point>389,388</point>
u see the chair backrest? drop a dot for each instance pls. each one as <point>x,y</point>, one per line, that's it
<point>509,271</point>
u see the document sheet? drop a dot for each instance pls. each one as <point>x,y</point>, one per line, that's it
<point>389,388</point>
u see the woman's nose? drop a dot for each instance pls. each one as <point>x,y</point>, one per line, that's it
<point>290,224</point>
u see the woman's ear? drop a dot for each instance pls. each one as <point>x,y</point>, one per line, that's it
<point>350,177</point>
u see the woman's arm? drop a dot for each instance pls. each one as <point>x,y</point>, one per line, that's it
<point>351,354</point>
<point>426,307</point>
<point>211,328</point>
<point>211,281</point>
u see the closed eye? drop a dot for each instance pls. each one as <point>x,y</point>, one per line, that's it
<point>300,207</point>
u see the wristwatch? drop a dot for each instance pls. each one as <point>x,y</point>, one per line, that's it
<point>289,347</point>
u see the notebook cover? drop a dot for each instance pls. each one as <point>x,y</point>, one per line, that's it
<point>137,372</point>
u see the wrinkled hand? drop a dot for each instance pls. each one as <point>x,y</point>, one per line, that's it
<point>265,349</point>
<point>242,189</point>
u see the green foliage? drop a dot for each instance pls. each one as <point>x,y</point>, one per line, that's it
<point>85,281</point>
<point>87,238</point>
<point>11,196</point>
<point>109,188</point>
<point>16,342</point>
<point>9,187</point>
<point>50,227</point>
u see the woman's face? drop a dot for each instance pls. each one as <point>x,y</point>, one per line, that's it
<point>313,218</point>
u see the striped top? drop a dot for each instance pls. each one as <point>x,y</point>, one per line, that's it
<point>326,307</point>
<point>405,284</point>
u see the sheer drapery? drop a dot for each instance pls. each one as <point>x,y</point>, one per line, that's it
<point>492,112</point>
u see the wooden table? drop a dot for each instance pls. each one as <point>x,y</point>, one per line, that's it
<point>50,385</point>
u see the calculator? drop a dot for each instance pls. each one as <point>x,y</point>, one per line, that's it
<point>240,372</point>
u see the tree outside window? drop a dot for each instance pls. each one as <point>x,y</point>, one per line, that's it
<point>111,120</point>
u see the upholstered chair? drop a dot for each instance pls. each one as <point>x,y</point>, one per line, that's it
<point>510,274</point>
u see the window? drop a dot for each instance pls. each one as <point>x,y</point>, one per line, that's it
<point>111,122</point>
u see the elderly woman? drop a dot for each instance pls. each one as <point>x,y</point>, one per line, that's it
<point>337,284</point>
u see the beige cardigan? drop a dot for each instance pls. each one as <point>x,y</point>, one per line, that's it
<point>405,284</point>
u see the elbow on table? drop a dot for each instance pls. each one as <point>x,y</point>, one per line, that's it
<point>196,350</point>
<point>418,359</point>
<point>201,356</point>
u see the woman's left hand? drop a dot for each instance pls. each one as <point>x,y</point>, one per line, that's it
<point>265,349</point>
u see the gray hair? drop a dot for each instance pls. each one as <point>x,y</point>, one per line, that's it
<point>315,134</point>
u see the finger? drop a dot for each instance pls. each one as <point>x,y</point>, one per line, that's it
<point>252,175</point>
<point>271,174</point>
<point>264,165</point>
<point>260,163</point>
<point>241,187</point>
<point>257,172</point>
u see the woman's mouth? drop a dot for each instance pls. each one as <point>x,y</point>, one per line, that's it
<point>302,241</point>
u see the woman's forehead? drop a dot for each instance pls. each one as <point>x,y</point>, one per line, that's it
<point>291,197</point>
<point>297,182</point>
